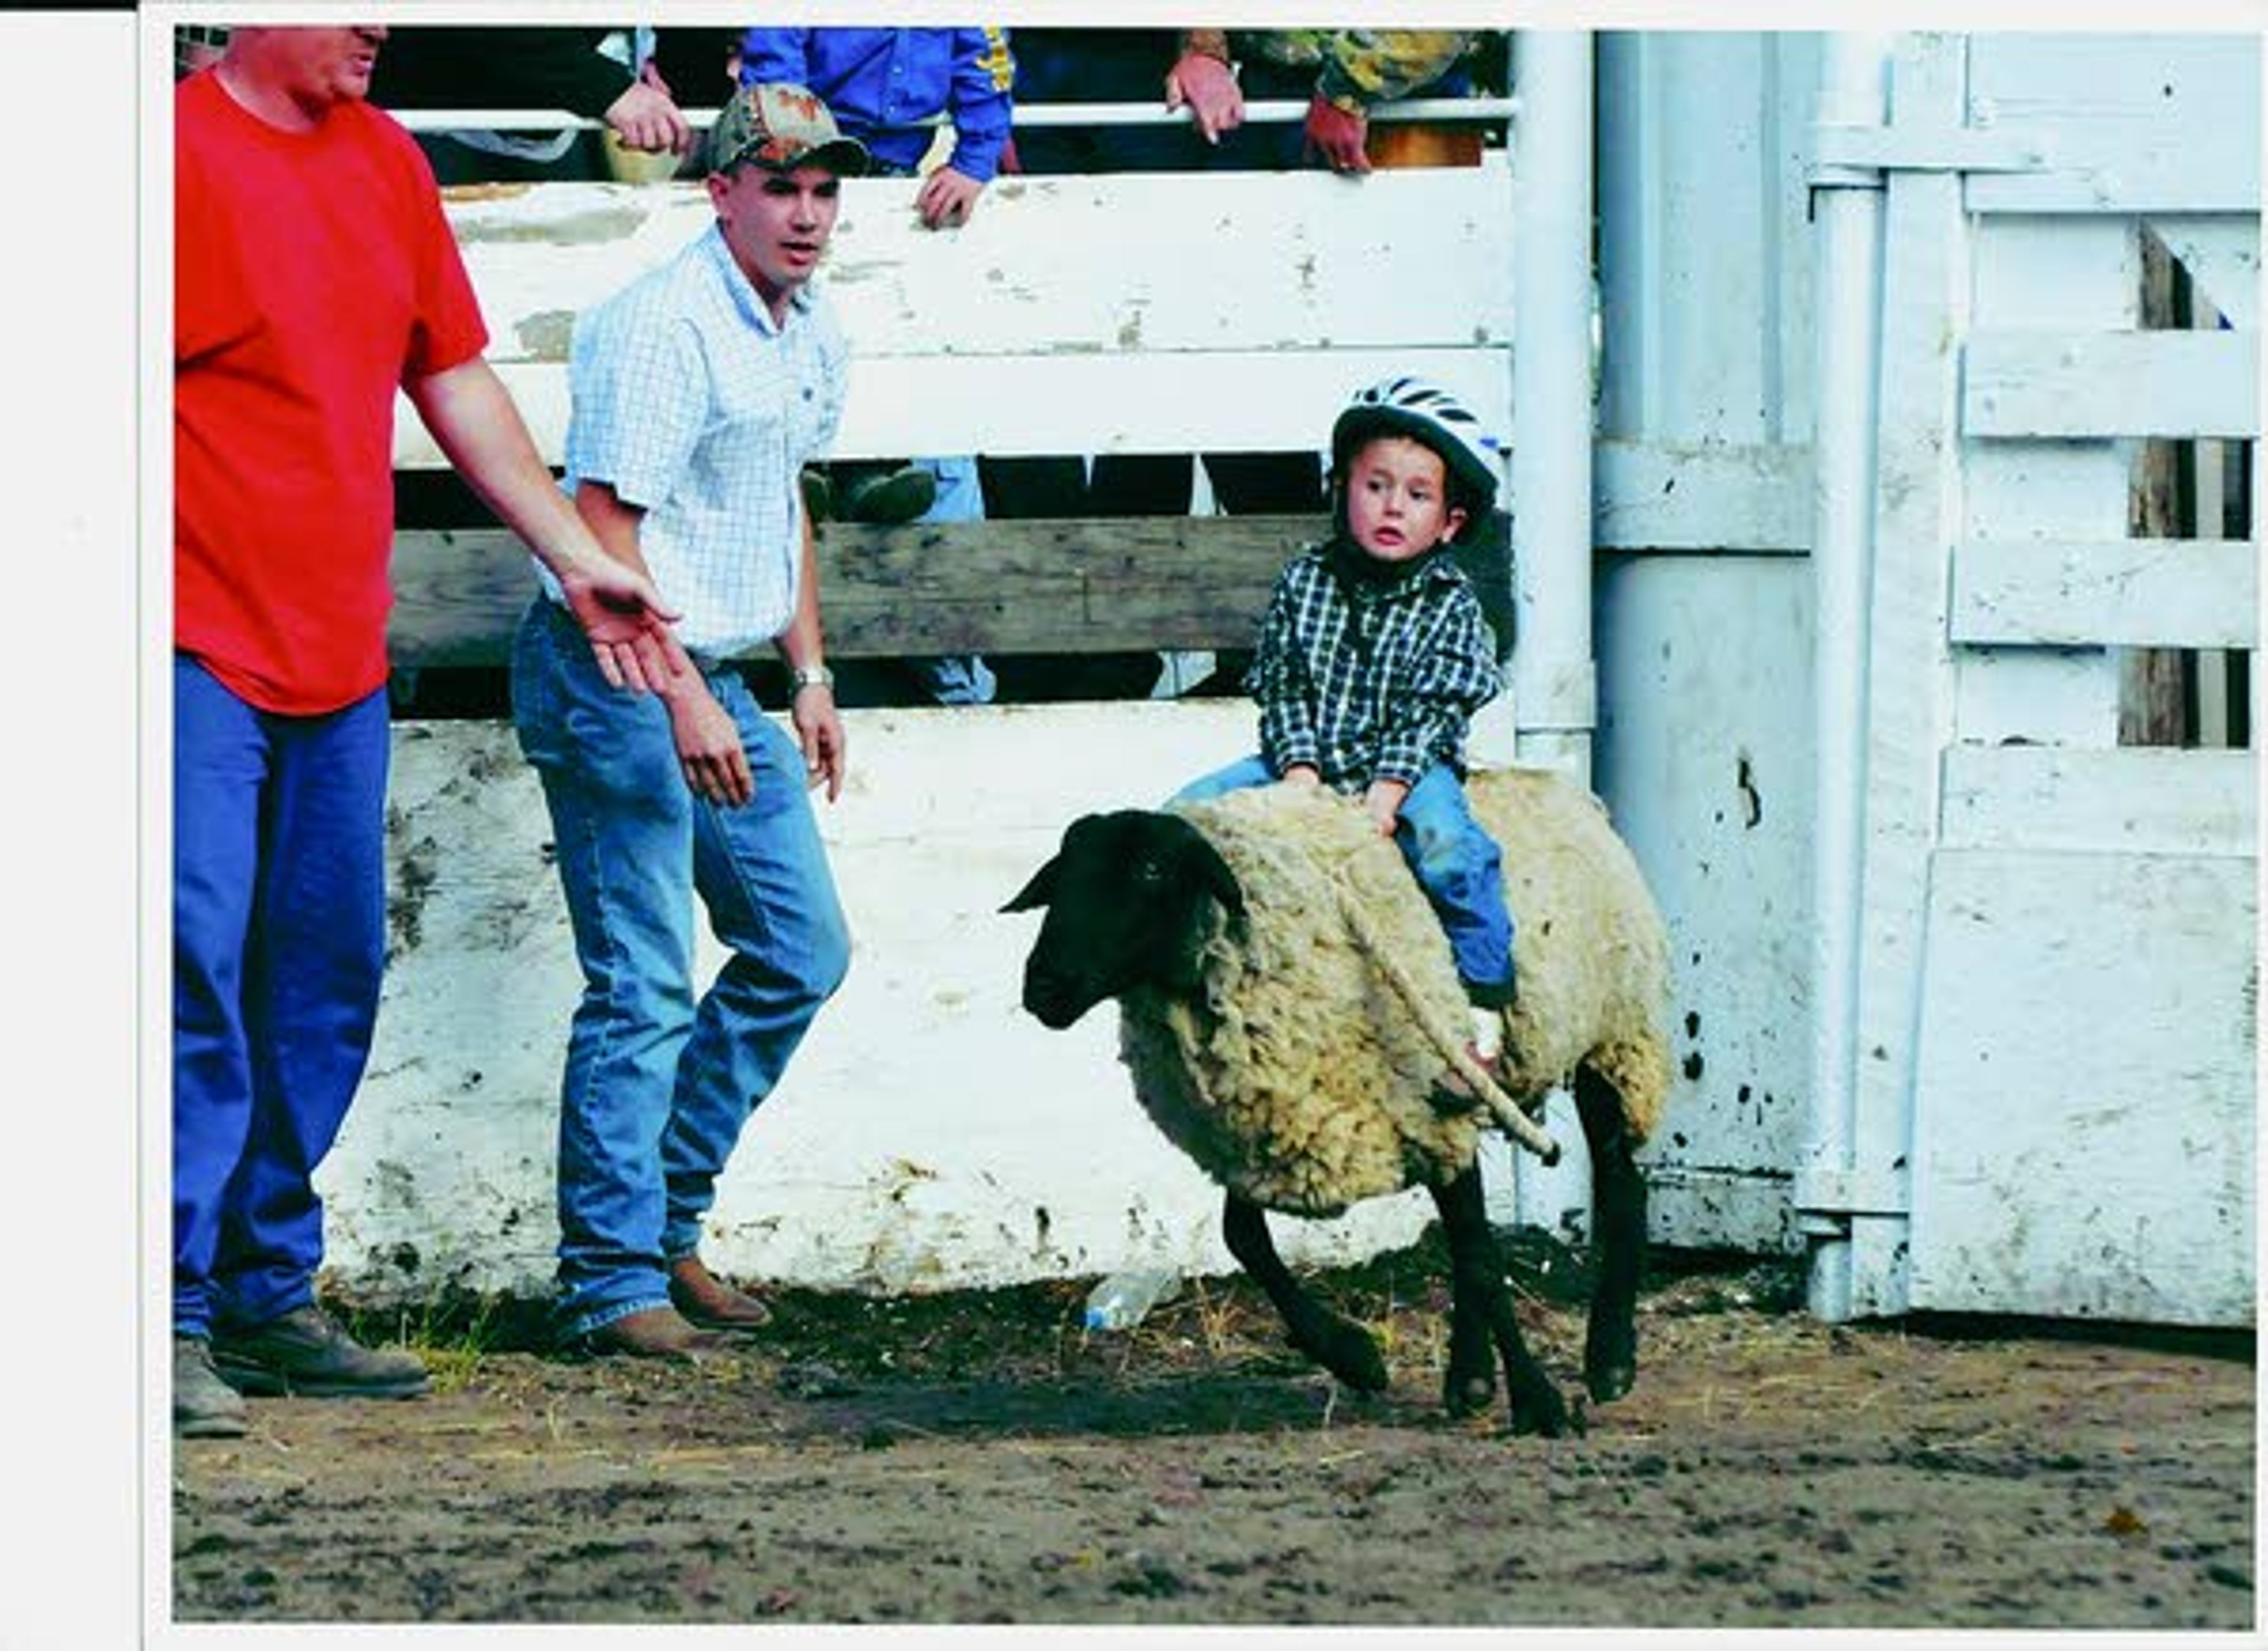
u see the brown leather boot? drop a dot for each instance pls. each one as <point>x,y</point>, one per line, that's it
<point>709,1301</point>
<point>658,1332</point>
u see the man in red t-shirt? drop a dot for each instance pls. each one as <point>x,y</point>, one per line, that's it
<point>315,276</point>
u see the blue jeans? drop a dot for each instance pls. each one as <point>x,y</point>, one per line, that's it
<point>279,938</point>
<point>657,1087</point>
<point>955,679</point>
<point>1455,861</point>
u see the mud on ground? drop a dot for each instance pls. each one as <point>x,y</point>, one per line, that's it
<point>977,1458</point>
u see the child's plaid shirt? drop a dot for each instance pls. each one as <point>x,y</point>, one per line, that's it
<point>1368,681</point>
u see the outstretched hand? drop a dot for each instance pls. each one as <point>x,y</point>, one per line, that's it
<point>628,627</point>
<point>1336,138</point>
<point>646,117</point>
<point>1207,86</point>
<point>946,198</point>
<point>819,731</point>
<point>1382,802</point>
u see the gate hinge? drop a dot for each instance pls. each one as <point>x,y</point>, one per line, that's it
<point>1824,1194</point>
<point>1849,156</point>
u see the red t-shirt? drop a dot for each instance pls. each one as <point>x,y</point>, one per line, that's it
<point>314,274</point>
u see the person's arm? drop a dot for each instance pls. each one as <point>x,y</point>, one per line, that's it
<point>979,97</point>
<point>1204,79</point>
<point>709,749</point>
<point>1282,688</point>
<point>1364,67</point>
<point>818,723</point>
<point>446,66</point>
<point>774,54</point>
<point>474,421</point>
<point>646,117</point>
<point>1455,675</point>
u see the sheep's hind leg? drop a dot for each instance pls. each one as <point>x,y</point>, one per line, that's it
<point>1618,1221</point>
<point>1341,1347</point>
<point>1469,1385</point>
<point>1477,1281</point>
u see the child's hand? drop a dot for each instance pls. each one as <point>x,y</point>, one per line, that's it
<point>1382,802</point>
<point>1301,774</point>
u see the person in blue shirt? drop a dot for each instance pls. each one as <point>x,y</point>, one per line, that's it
<point>889,89</point>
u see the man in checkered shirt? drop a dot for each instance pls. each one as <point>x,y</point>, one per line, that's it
<point>1372,657</point>
<point>699,391</point>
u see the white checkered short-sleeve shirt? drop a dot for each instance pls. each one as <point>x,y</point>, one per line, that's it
<point>695,406</point>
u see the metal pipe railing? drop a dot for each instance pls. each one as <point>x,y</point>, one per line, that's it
<point>1487,110</point>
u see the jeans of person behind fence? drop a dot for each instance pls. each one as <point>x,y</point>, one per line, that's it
<point>279,938</point>
<point>1456,862</point>
<point>657,1087</point>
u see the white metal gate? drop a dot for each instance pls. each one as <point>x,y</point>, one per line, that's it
<point>2047,1090</point>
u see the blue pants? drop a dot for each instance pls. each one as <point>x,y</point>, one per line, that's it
<point>279,937</point>
<point>1456,863</point>
<point>657,1087</point>
<point>956,679</point>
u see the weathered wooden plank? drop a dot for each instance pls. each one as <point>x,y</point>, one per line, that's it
<point>1130,313</point>
<point>2151,710</point>
<point>1717,807</point>
<point>1222,401</point>
<point>2084,1145</point>
<point>1005,587</point>
<point>1926,277</point>
<point>2179,593</point>
<point>2129,123</point>
<point>1674,496</point>
<point>2133,800</point>
<point>927,1134</point>
<point>2222,256</point>
<point>2074,384</point>
<point>1129,263</point>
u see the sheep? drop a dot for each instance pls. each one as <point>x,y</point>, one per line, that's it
<point>1268,949</point>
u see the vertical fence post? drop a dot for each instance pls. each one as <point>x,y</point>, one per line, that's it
<point>1554,686</point>
<point>1552,671</point>
<point>1854,76</point>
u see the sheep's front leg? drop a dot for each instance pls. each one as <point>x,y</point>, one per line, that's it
<point>1477,1280</point>
<point>1619,1215</point>
<point>1341,1346</point>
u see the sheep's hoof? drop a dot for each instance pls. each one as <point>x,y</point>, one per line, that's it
<point>1608,1383</point>
<point>1469,1395</point>
<point>1610,1357</point>
<point>1540,1410</point>
<point>1353,1358</point>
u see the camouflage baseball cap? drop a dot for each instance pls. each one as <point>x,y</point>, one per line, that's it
<point>781,126</point>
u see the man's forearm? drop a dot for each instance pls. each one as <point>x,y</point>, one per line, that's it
<point>478,426</point>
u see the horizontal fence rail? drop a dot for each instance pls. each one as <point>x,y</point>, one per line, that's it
<point>1475,111</point>
<point>2150,592</point>
<point>1133,313</point>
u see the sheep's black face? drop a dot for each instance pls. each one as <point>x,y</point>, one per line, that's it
<point>1123,896</point>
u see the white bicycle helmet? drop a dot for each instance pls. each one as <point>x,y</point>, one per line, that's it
<point>1425,412</point>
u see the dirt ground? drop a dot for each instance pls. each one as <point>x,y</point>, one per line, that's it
<point>977,1458</point>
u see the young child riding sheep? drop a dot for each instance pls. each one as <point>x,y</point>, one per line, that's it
<point>1372,657</point>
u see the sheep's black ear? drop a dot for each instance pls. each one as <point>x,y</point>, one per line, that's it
<point>1039,891</point>
<point>1215,878</point>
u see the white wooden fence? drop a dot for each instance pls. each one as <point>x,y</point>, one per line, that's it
<point>2052,1091</point>
<point>1137,313</point>
<point>2054,1088</point>
<point>928,1132</point>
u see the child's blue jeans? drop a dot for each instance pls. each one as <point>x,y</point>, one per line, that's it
<point>1455,861</point>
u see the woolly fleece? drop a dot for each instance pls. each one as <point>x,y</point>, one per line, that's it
<point>1296,1076</point>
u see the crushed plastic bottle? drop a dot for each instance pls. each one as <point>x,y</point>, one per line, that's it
<point>1123,1299</point>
